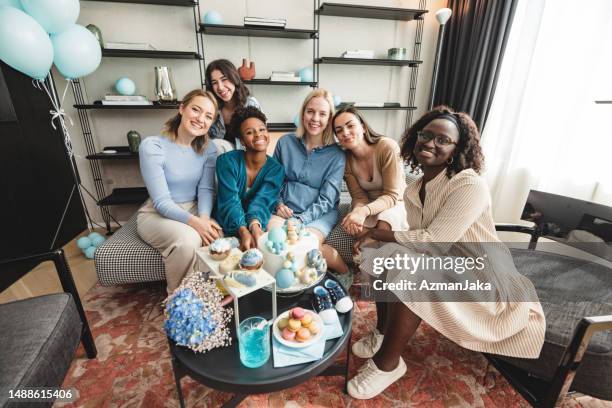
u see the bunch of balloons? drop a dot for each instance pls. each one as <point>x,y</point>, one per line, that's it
<point>90,243</point>
<point>34,34</point>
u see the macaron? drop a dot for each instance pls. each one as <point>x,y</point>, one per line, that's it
<point>288,334</point>
<point>302,335</point>
<point>297,313</point>
<point>314,328</point>
<point>282,323</point>
<point>306,320</point>
<point>294,325</point>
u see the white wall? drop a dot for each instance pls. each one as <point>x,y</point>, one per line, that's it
<point>171,28</point>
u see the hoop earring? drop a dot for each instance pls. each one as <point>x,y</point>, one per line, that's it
<point>450,161</point>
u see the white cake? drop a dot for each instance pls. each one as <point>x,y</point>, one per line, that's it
<point>274,262</point>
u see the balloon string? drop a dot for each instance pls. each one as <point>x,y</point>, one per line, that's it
<point>58,113</point>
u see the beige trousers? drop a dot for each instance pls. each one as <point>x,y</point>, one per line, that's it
<point>177,242</point>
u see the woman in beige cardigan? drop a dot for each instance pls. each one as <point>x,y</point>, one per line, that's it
<point>449,213</point>
<point>374,175</point>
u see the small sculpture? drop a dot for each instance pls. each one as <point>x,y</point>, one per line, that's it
<point>292,235</point>
<point>247,70</point>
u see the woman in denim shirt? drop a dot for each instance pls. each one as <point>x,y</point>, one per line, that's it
<point>314,167</point>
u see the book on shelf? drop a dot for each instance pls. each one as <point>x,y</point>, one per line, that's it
<point>125,98</point>
<point>265,20</point>
<point>129,46</point>
<point>285,79</point>
<point>368,54</point>
<point>369,104</point>
<point>257,24</point>
<point>110,103</point>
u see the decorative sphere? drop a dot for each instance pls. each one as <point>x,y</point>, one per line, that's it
<point>125,86</point>
<point>84,243</point>
<point>285,278</point>
<point>277,235</point>
<point>337,100</point>
<point>306,74</point>
<point>94,234</point>
<point>90,251</point>
<point>213,17</point>
<point>97,240</point>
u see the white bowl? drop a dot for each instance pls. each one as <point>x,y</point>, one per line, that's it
<point>278,334</point>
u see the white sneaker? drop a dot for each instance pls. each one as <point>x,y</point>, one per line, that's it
<point>370,381</point>
<point>367,346</point>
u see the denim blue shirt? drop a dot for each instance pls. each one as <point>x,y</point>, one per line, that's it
<point>217,129</point>
<point>312,180</point>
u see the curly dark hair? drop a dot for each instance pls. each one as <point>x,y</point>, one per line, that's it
<point>230,72</point>
<point>467,154</point>
<point>240,115</point>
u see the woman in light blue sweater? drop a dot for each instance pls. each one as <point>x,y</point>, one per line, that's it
<point>178,169</point>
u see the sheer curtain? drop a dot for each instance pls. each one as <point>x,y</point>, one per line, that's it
<point>545,130</point>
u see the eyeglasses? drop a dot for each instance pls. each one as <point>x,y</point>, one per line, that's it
<point>439,140</point>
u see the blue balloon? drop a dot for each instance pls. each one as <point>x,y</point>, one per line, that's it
<point>54,16</point>
<point>94,234</point>
<point>11,3</point>
<point>24,45</point>
<point>97,240</point>
<point>90,252</point>
<point>77,52</point>
<point>125,86</point>
<point>213,17</point>
<point>306,74</point>
<point>84,243</point>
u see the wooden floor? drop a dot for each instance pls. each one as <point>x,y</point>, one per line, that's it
<point>43,279</point>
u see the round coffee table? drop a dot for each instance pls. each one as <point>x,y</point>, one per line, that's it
<point>222,370</point>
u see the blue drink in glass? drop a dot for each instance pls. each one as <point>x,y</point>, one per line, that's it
<point>254,342</point>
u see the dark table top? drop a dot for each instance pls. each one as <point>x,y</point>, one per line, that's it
<point>221,368</point>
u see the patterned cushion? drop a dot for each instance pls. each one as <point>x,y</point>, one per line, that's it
<point>570,289</point>
<point>125,258</point>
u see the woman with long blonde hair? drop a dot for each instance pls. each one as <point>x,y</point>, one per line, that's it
<point>178,169</point>
<point>314,166</point>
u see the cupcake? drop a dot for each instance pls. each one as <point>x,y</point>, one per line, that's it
<point>220,249</point>
<point>251,260</point>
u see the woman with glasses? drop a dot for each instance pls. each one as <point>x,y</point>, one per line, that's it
<point>449,214</point>
<point>374,175</point>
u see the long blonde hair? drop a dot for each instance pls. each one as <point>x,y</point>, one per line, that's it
<point>328,132</point>
<point>171,126</point>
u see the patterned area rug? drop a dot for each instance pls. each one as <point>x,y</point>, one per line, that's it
<point>133,366</point>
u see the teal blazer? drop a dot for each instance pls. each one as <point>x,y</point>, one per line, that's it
<point>237,206</point>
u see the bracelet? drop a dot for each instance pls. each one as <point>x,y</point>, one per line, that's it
<point>254,222</point>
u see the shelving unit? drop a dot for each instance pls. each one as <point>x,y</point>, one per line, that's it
<point>269,82</point>
<point>254,31</point>
<point>367,61</point>
<point>123,152</point>
<point>381,13</point>
<point>150,54</point>
<point>131,195</point>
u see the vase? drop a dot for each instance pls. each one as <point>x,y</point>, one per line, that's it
<point>97,33</point>
<point>164,85</point>
<point>133,139</point>
<point>247,70</point>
